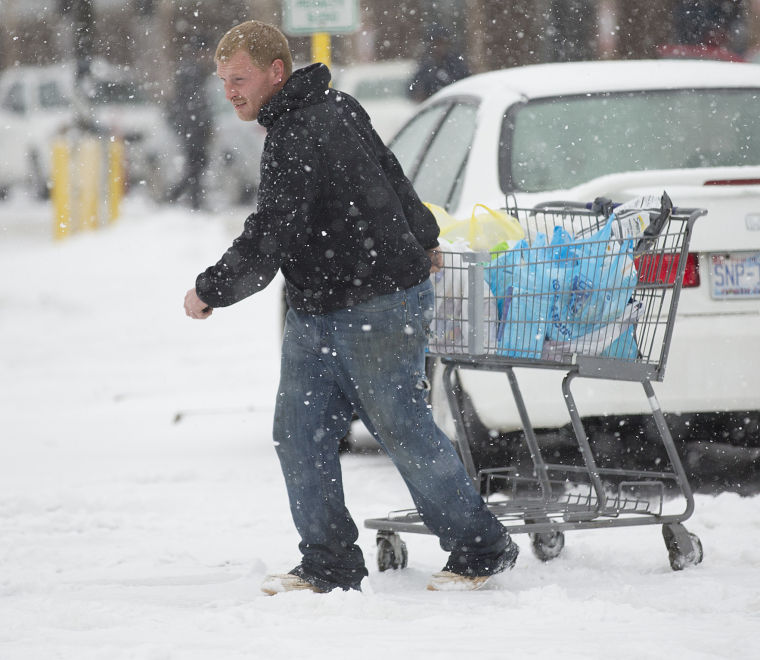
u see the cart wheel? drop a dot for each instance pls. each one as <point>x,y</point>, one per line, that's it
<point>391,551</point>
<point>547,545</point>
<point>684,548</point>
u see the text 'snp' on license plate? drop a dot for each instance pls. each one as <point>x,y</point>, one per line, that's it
<point>735,275</point>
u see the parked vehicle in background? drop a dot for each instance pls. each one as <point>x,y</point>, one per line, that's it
<point>38,104</point>
<point>383,90</point>
<point>233,173</point>
<point>618,129</point>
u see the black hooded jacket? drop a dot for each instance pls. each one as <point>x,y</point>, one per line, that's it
<point>335,213</point>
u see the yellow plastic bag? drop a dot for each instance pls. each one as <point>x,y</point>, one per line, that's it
<point>444,219</point>
<point>485,229</point>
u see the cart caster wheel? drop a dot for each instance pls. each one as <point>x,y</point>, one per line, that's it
<point>391,551</point>
<point>684,548</point>
<point>547,545</point>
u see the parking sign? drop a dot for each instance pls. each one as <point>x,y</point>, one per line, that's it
<point>310,16</point>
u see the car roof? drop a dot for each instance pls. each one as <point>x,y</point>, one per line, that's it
<point>349,75</point>
<point>101,69</point>
<point>568,78</point>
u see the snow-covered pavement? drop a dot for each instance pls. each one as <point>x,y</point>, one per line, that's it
<point>141,502</point>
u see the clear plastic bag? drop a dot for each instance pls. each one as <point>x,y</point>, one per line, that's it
<point>450,326</point>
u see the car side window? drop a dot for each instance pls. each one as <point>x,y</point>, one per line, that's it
<point>14,99</point>
<point>438,179</point>
<point>410,143</point>
<point>51,95</point>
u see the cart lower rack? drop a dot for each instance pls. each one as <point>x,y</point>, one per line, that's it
<point>593,293</point>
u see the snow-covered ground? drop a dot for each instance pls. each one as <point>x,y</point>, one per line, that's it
<point>141,502</point>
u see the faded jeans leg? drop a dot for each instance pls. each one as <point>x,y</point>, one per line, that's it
<point>311,417</point>
<point>379,353</point>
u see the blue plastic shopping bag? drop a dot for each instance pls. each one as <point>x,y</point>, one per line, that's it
<point>519,279</point>
<point>599,279</point>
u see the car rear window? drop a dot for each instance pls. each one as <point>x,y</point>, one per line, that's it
<point>563,142</point>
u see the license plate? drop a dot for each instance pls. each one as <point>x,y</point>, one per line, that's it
<point>735,275</point>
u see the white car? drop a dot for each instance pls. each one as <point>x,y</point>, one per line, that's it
<point>37,104</point>
<point>618,129</point>
<point>383,90</point>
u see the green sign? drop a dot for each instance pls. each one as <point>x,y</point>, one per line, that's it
<point>310,16</point>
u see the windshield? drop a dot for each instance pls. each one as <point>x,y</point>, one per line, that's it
<point>561,143</point>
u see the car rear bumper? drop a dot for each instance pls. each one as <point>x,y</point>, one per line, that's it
<point>710,369</point>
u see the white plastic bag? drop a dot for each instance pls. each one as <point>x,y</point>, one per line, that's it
<point>615,339</point>
<point>450,327</point>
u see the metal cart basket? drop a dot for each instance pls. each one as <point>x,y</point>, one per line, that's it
<point>590,292</point>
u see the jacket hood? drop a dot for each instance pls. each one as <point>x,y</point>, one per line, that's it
<point>305,87</point>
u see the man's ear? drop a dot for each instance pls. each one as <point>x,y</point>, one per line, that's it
<point>278,71</point>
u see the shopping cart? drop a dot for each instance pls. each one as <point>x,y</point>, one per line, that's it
<point>595,300</point>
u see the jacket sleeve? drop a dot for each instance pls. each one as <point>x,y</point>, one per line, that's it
<point>274,232</point>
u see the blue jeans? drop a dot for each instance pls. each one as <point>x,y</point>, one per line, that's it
<point>371,359</point>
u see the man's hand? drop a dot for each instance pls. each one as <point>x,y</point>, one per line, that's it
<point>195,308</point>
<point>436,259</point>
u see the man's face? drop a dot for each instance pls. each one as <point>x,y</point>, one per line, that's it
<point>247,86</point>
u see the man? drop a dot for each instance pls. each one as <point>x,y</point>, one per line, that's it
<point>338,217</point>
<point>441,65</point>
<point>192,117</point>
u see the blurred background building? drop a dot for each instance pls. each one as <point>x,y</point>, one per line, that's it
<point>158,44</point>
<point>146,34</point>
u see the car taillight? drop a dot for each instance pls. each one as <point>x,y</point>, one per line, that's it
<point>662,269</point>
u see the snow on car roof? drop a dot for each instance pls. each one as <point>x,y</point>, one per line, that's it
<point>563,78</point>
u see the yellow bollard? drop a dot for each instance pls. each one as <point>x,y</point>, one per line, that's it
<point>89,182</point>
<point>81,187</point>
<point>320,48</point>
<point>115,177</point>
<point>61,192</point>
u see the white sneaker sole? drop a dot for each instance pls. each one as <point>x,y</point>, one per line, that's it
<point>277,584</point>
<point>447,581</point>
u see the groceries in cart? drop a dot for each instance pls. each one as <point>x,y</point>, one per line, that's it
<point>452,324</point>
<point>567,287</point>
<point>597,283</point>
<point>485,229</point>
<point>459,240</point>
